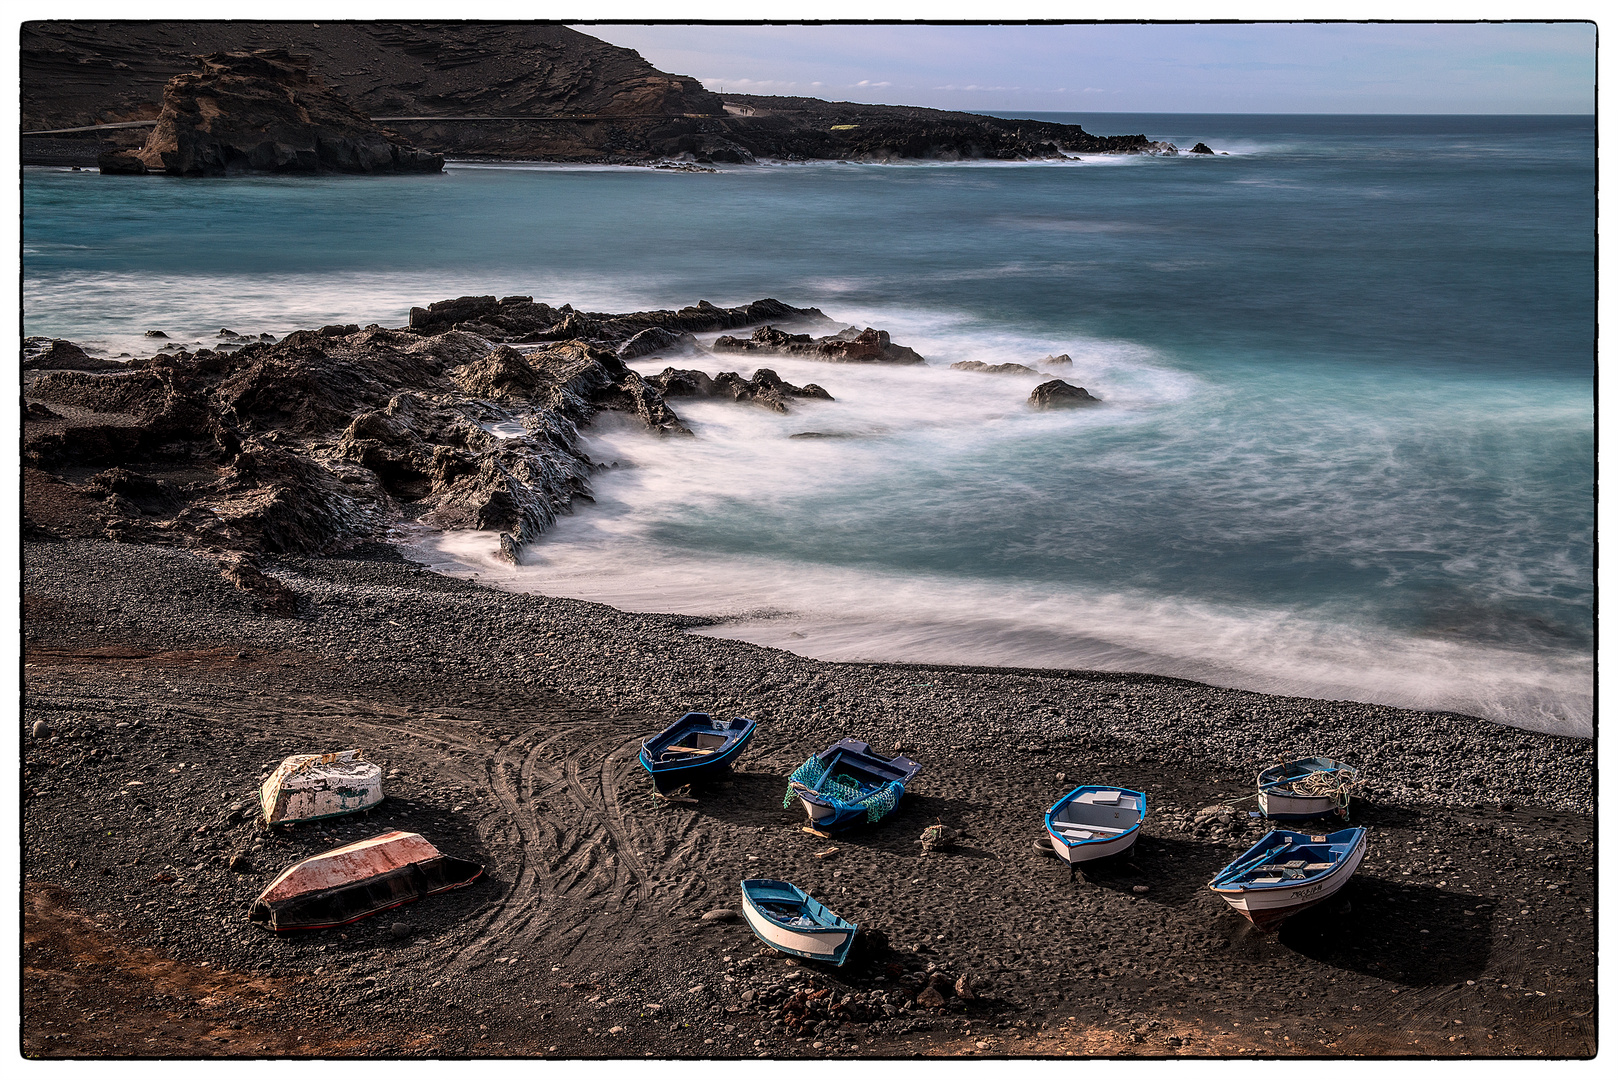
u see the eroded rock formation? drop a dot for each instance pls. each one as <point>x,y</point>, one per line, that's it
<point>262,111</point>
<point>850,346</point>
<point>328,437</point>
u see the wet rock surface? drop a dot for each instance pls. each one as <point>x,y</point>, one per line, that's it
<point>765,388</point>
<point>507,726</point>
<point>849,346</point>
<point>467,419</point>
<point>1058,394</point>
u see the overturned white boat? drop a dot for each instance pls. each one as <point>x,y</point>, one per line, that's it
<point>306,787</point>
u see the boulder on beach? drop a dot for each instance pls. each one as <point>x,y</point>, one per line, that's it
<point>263,111</point>
<point>1057,394</point>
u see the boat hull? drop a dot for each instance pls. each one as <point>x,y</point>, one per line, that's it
<point>1095,822</point>
<point>829,944</point>
<point>1088,850</point>
<point>1278,802</point>
<point>1281,807</point>
<point>1267,907</point>
<point>358,880</point>
<point>668,776</point>
<point>311,787</point>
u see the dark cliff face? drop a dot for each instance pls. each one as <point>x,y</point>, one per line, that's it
<point>500,90</point>
<point>83,72</point>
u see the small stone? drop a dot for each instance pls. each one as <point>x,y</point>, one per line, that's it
<point>1142,890</point>
<point>401,930</point>
<point>963,988</point>
<point>930,998</point>
<point>721,915</point>
<point>41,729</point>
<point>615,1031</point>
<point>241,862</point>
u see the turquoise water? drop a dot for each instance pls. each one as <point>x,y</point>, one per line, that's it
<point>1348,441</point>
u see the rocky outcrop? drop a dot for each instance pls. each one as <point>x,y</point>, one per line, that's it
<point>327,437</point>
<point>1200,148</point>
<point>262,111</point>
<point>1057,394</point>
<point>518,319</point>
<point>993,369</point>
<point>765,388</point>
<point>657,339</point>
<point>850,346</point>
<point>52,354</point>
<point>1063,360</point>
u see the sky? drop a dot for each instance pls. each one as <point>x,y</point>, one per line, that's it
<point>1263,68</point>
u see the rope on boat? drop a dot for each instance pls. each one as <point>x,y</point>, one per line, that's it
<point>1336,784</point>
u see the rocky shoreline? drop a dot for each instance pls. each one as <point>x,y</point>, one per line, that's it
<point>508,725</point>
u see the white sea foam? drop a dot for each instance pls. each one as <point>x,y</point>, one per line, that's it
<point>841,614</point>
<point>776,534</point>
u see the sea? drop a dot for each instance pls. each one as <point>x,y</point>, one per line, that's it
<point>1345,450</point>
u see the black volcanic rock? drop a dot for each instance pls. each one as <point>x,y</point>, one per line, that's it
<point>993,369</point>
<point>850,346</point>
<point>1057,394</point>
<point>328,437</point>
<point>51,354</point>
<point>262,111</point>
<point>1200,148</point>
<point>765,388</point>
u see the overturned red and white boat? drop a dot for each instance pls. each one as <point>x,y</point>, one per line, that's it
<point>357,880</point>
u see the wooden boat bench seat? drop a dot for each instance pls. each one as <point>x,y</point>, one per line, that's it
<point>687,750</point>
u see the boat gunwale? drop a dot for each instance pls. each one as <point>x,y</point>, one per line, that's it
<point>1112,839</point>
<point>1318,877</point>
<point>735,741</point>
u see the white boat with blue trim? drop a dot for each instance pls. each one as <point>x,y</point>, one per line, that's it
<point>788,919</point>
<point>1092,822</point>
<point>1288,872</point>
<point>1305,788</point>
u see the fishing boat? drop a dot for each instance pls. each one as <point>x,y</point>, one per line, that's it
<point>848,782</point>
<point>1092,822</point>
<point>1306,788</point>
<point>308,787</point>
<point>1286,872</point>
<point>358,880</point>
<point>694,747</point>
<point>788,919</point>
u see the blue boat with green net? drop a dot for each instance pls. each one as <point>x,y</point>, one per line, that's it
<point>848,783</point>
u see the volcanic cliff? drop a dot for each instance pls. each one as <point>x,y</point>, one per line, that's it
<point>495,90</point>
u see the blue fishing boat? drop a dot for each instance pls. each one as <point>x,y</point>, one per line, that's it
<point>694,747</point>
<point>1091,822</point>
<point>1286,872</point>
<point>1306,788</point>
<point>847,783</point>
<point>786,918</point>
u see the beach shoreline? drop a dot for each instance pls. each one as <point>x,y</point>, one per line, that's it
<point>509,723</point>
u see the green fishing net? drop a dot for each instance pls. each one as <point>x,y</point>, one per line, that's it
<point>844,791</point>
